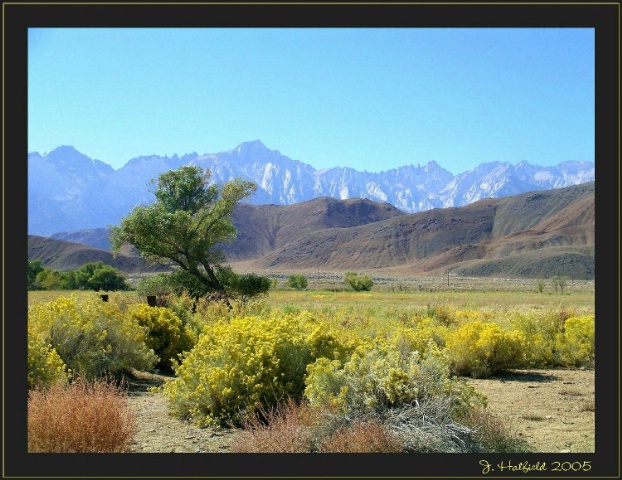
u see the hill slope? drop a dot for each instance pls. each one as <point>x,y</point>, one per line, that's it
<point>536,234</point>
<point>532,234</point>
<point>63,255</point>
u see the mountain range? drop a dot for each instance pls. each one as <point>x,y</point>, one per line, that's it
<point>68,191</point>
<point>536,234</point>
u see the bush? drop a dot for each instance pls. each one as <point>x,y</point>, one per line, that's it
<point>158,285</point>
<point>297,281</point>
<point>575,346</point>
<point>166,335</point>
<point>34,268</point>
<point>84,417</point>
<point>45,367</point>
<point>237,365</point>
<point>359,284</point>
<point>482,349</point>
<point>90,336</point>
<point>97,276</point>
<point>376,378</point>
<point>249,284</point>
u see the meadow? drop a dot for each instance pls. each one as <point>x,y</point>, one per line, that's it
<point>347,366</point>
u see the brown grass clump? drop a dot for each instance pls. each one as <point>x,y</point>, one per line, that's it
<point>283,429</point>
<point>84,417</point>
<point>492,434</point>
<point>295,428</point>
<point>367,437</point>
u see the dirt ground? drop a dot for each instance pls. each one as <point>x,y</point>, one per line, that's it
<point>552,410</point>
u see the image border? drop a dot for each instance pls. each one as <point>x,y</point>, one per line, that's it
<point>17,17</point>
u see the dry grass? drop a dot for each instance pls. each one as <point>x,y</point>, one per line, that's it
<point>493,434</point>
<point>84,417</point>
<point>587,407</point>
<point>362,437</point>
<point>284,429</point>
<point>294,428</point>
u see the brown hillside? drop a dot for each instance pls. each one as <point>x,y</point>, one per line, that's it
<point>64,256</point>
<point>535,234</point>
<point>264,228</point>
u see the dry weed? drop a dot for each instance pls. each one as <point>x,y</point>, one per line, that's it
<point>83,417</point>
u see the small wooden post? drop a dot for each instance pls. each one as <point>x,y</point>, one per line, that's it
<point>151,300</point>
<point>104,297</point>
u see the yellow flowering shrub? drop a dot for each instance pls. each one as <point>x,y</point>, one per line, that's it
<point>377,377</point>
<point>90,336</point>
<point>243,364</point>
<point>370,379</point>
<point>575,346</point>
<point>481,349</point>
<point>416,339</point>
<point>166,334</point>
<point>45,367</point>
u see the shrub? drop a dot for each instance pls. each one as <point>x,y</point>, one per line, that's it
<point>84,417</point>
<point>166,335</point>
<point>239,364</point>
<point>575,346</point>
<point>362,437</point>
<point>297,281</point>
<point>542,333</point>
<point>376,378</point>
<point>359,284</point>
<point>97,276</point>
<point>409,340</point>
<point>285,428</point>
<point>34,268</point>
<point>249,284</point>
<point>158,285</point>
<point>481,349</point>
<point>90,336</point>
<point>45,367</point>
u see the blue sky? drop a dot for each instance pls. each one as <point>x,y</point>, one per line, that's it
<point>370,99</point>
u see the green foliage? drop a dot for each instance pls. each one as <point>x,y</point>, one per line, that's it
<point>90,276</point>
<point>48,279</point>
<point>45,367</point>
<point>297,281</point>
<point>158,284</point>
<point>34,268</point>
<point>247,284</point>
<point>97,276</point>
<point>377,378</point>
<point>359,284</point>
<point>90,336</point>
<point>540,286</point>
<point>166,335</point>
<point>559,283</point>
<point>186,224</point>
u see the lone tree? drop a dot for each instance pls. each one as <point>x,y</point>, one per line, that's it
<point>185,225</point>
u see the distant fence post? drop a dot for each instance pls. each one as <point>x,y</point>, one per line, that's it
<point>104,297</point>
<point>151,300</point>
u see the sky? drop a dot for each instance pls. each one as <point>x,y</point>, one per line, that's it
<point>366,98</point>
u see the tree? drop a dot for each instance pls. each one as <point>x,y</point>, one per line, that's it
<point>34,268</point>
<point>297,281</point>
<point>98,276</point>
<point>359,284</point>
<point>185,225</point>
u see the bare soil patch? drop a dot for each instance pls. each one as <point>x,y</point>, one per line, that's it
<point>552,410</point>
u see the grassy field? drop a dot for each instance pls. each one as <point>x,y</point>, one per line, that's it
<point>498,294</point>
